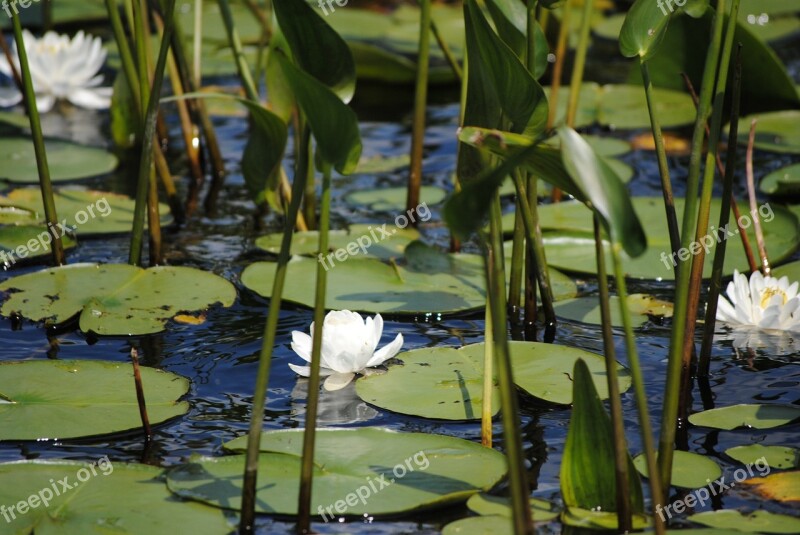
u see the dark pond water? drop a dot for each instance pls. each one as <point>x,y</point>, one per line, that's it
<point>220,356</point>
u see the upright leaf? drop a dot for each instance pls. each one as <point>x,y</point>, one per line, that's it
<point>644,28</point>
<point>316,47</point>
<point>261,159</point>
<point>587,468</point>
<point>511,20</point>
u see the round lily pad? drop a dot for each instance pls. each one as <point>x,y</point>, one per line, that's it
<point>784,181</point>
<point>487,505</point>
<point>756,522</point>
<point>625,107</point>
<point>66,160</point>
<point>383,164</point>
<point>781,457</point>
<point>587,309</point>
<point>480,525</point>
<point>689,470</point>
<point>376,241</point>
<point>775,132</point>
<point>781,487</point>
<point>76,498</point>
<point>447,383</point>
<point>114,299</point>
<point>394,199</point>
<point>55,399</point>
<point>22,243</point>
<point>357,471</point>
<point>744,415</point>
<point>599,520</point>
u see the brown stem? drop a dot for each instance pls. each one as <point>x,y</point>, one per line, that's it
<point>751,193</point>
<point>137,378</point>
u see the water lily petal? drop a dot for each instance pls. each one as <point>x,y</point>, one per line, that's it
<point>301,344</point>
<point>305,371</point>
<point>93,99</point>
<point>386,352</point>
<point>45,103</point>
<point>337,381</point>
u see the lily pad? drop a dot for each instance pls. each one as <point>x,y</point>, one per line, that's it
<point>27,242</point>
<point>447,383</point>
<point>394,472</point>
<point>780,457</point>
<point>394,199</point>
<point>790,270</point>
<point>100,497</point>
<point>55,399</point>
<point>756,522</point>
<point>689,470</point>
<point>776,131</point>
<point>480,525</point>
<point>745,415</point>
<point>587,309</point>
<point>625,107</point>
<point>378,164</point>
<point>67,161</point>
<point>783,487</point>
<point>599,520</point>
<point>488,505</point>
<point>114,299</point>
<point>569,241</point>
<point>87,212</point>
<point>784,181</point>
<point>375,244</point>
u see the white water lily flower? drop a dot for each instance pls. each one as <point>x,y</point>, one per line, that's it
<point>348,347</point>
<point>763,302</point>
<point>61,69</point>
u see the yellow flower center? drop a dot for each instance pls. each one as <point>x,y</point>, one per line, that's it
<point>769,293</point>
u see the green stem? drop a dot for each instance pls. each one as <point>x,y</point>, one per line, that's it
<point>448,54</point>
<point>125,54</point>
<point>624,510</point>
<point>580,64</point>
<point>45,185</point>
<point>305,169</point>
<point>517,259</point>
<point>312,402</point>
<point>420,105</point>
<point>675,362</point>
<point>148,132</point>
<point>518,481</point>
<point>648,443</point>
<point>488,372</point>
<point>235,42</point>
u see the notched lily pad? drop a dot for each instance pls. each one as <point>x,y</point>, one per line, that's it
<point>67,161</point>
<point>114,299</point>
<point>745,415</point>
<point>24,243</point>
<point>689,470</point>
<point>587,309</point>
<point>55,399</point>
<point>756,522</point>
<point>488,505</point>
<point>780,457</point>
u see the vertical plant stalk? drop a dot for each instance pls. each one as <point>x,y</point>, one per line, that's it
<point>148,132</point>
<point>748,251</point>
<point>304,168</point>
<point>420,106</point>
<point>751,193</point>
<point>663,167</point>
<point>669,419</point>
<point>10,59</point>
<point>155,249</point>
<point>580,64</point>
<point>517,264</point>
<point>46,187</point>
<point>558,68</point>
<point>496,285</point>
<point>235,42</point>
<point>624,509</point>
<point>656,493</point>
<point>448,54</point>
<point>197,43</point>
<point>312,403</point>
<point>715,286</point>
<point>137,380</point>
<point>247,522</point>
<point>488,368</point>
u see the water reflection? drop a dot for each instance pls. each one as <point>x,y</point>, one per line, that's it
<point>335,408</point>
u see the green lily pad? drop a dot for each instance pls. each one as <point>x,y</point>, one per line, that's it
<point>781,457</point>
<point>782,487</point>
<point>625,107</point>
<point>447,383</point>
<point>114,299</point>
<point>487,505</point>
<point>56,399</point>
<point>378,164</point>
<point>394,199</point>
<point>87,212</point>
<point>769,28</point>
<point>375,245</point>
<point>756,522</point>
<point>587,309</point>
<point>27,242</point>
<point>689,470</point>
<point>790,270</point>
<point>784,181</point>
<point>569,240</point>
<point>480,525</point>
<point>67,161</point>
<point>588,102</point>
<point>599,520</point>
<point>775,132</point>
<point>99,497</point>
<point>746,415</point>
<point>394,472</point>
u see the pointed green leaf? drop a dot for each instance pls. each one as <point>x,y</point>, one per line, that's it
<point>511,19</point>
<point>644,28</point>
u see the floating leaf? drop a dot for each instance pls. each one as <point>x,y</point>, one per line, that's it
<point>784,181</point>
<point>56,399</point>
<point>587,309</point>
<point>447,383</point>
<point>600,520</point>
<point>100,498</point>
<point>587,474</point>
<point>780,457</point>
<point>488,505</point>
<point>394,472</point>
<point>67,161</point>
<point>743,415</point>
<point>756,522</point>
<point>394,199</point>
<point>775,132</point>
<point>689,470</point>
<point>378,164</point>
<point>625,107</point>
<point>783,487</point>
<point>21,243</point>
<point>114,299</point>
<point>480,525</point>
